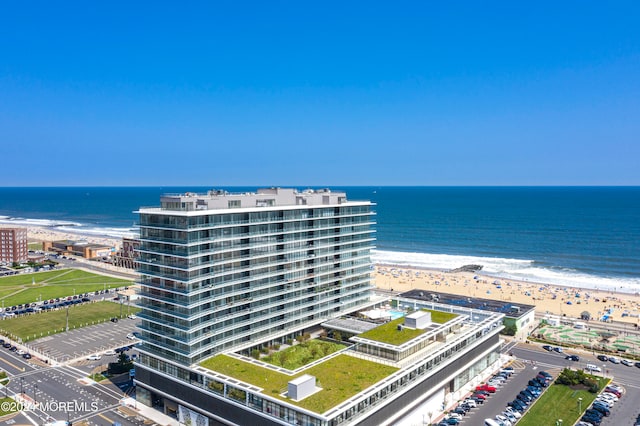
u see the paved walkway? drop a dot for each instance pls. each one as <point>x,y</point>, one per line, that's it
<point>148,412</point>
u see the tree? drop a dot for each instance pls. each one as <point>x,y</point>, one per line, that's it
<point>510,330</point>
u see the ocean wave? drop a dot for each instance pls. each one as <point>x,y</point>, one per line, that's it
<point>101,232</point>
<point>515,269</point>
<point>72,227</point>
<point>49,223</point>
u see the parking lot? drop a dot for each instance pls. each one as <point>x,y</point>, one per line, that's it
<point>496,403</point>
<point>84,341</point>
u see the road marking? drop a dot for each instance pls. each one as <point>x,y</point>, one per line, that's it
<point>106,418</point>
<point>12,364</point>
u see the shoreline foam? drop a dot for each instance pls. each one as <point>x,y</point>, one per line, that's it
<point>508,269</point>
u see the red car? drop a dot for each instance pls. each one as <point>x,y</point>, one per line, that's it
<point>487,388</point>
<point>479,395</point>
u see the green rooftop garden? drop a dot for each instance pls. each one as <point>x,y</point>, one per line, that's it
<point>340,378</point>
<point>440,317</point>
<point>389,333</point>
<point>303,353</point>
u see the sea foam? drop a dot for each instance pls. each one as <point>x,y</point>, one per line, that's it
<point>516,269</point>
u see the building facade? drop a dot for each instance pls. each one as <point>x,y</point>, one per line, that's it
<point>14,245</point>
<point>221,271</point>
<point>226,273</point>
<point>128,253</point>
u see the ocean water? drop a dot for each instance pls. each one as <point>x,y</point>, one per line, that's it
<point>576,236</point>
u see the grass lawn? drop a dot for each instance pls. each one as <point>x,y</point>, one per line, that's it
<point>340,378</point>
<point>29,327</point>
<point>29,288</point>
<point>8,403</point>
<point>302,354</point>
<point>559,402</point>
<point>389,333</point>
<point>440,317</point>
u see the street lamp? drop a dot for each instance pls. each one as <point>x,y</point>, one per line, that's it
<point>21,386</point>
<point>35,395</point>
<point>579,405</point>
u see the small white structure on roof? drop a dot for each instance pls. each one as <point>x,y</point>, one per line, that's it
<point>301,387</point>
<point>418,320</point>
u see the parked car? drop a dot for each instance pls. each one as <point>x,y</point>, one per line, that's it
<point>470,402</point>
<point>486,388</point>
<point>509,415</point>
<point>626,362</point>
<point>615,387</point>
<point>613,391</point>
<point>26,356</point>
<point>614,360</point>
<point>603,358</point>
<point>558,349</point>
<point>503,419</point>
<point>602,408</point>
<point>479,399</point>
<point>545,374</point>
<point>572,357</point>
<point>460,411</point>
<point>547,348</point>
<point>516,413</point>
<point>95,357</point>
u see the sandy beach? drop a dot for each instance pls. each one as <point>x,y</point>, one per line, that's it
<point>552,299</point>
<point>38,234</point>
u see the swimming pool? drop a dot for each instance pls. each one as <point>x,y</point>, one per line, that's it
<point>396,314</point>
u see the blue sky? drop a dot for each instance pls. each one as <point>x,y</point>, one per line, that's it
<point>320,93</point>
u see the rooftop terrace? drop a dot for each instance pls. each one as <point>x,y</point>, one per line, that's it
<point>509,309</point>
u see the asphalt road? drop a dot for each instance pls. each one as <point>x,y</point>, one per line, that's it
<point>60,393</point>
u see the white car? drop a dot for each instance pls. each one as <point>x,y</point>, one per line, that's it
<point>610,396</point>
<point>505,421</point>
<point>515,413</point>
<point>510,416</point>
<point>21,352</point>
<point>132,316</point>
<point>470,403</point>
<point>131,336</point>
<point>609,403</point>
<point>110,352</point>
<point>616,387</point>
<point>93,357</point>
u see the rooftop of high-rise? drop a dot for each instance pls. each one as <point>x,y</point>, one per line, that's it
<point>263,197</point>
